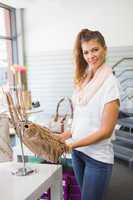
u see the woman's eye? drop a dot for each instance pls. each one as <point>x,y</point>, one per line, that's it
<point>94,50</point>
<point>85,52</point>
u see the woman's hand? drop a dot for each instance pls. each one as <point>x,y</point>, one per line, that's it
<point>62,136</point>
<point>69,148</point>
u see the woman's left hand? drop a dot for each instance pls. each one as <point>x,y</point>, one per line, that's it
<point>69,148</point>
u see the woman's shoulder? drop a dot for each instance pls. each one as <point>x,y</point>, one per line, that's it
<point>111,84</point>
<point>111,89</point>
<point>111,80</point>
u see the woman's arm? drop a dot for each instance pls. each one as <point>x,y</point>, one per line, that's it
<point>108,122</point>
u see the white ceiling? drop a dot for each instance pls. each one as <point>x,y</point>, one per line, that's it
<point>18,3</point>
<point>27,3</point>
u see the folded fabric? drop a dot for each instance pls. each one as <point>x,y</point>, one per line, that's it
<point>85,92</point>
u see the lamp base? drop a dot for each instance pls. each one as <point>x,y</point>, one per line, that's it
<point>23,171</point>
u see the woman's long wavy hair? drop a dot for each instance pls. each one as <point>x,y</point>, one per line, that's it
<point>80,64</point>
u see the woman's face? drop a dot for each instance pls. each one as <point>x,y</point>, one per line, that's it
<point>93,53</point>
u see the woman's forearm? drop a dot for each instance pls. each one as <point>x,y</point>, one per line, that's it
<point>91,139</point>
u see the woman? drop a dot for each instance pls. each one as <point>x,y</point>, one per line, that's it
<point>96,106</point>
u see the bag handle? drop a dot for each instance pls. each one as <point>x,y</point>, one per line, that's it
<point>58,106</point>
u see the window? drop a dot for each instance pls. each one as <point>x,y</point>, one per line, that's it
<point>8,42</point>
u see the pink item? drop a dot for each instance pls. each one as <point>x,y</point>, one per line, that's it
<point>20,69</point>
<point>88,89</point>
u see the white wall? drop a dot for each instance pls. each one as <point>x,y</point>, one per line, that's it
<point>50,30</point>
<point>53,25</point>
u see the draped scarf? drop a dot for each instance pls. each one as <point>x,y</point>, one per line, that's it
<point>82,95</point>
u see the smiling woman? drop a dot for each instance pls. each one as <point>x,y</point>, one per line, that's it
<point>90,49</point>
<point>96,106</point>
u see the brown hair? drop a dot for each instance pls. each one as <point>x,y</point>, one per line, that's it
<point>80,63</point>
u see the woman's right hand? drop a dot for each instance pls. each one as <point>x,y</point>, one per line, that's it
<point>62,136</point>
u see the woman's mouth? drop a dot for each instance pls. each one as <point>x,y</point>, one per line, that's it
<point>92,62</point>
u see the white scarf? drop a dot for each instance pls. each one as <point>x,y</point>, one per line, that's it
<point>84,94</point>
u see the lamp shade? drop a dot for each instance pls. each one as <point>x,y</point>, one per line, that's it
<point>6,153</point>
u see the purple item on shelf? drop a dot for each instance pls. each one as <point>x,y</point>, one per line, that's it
<point>46,196</point>
<point>70,186</point>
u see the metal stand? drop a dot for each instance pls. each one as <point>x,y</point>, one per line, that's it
<point>23,171</point>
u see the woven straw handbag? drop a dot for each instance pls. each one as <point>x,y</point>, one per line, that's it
<point>40,140</point>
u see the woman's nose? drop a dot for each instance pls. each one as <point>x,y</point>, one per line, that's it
<point>90,55</point>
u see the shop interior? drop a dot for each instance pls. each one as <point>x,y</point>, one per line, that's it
<point>36,65</point>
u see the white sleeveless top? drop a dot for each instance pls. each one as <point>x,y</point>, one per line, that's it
<point>87,120</point>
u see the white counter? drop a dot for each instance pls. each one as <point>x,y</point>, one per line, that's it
<point>32,186</point>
